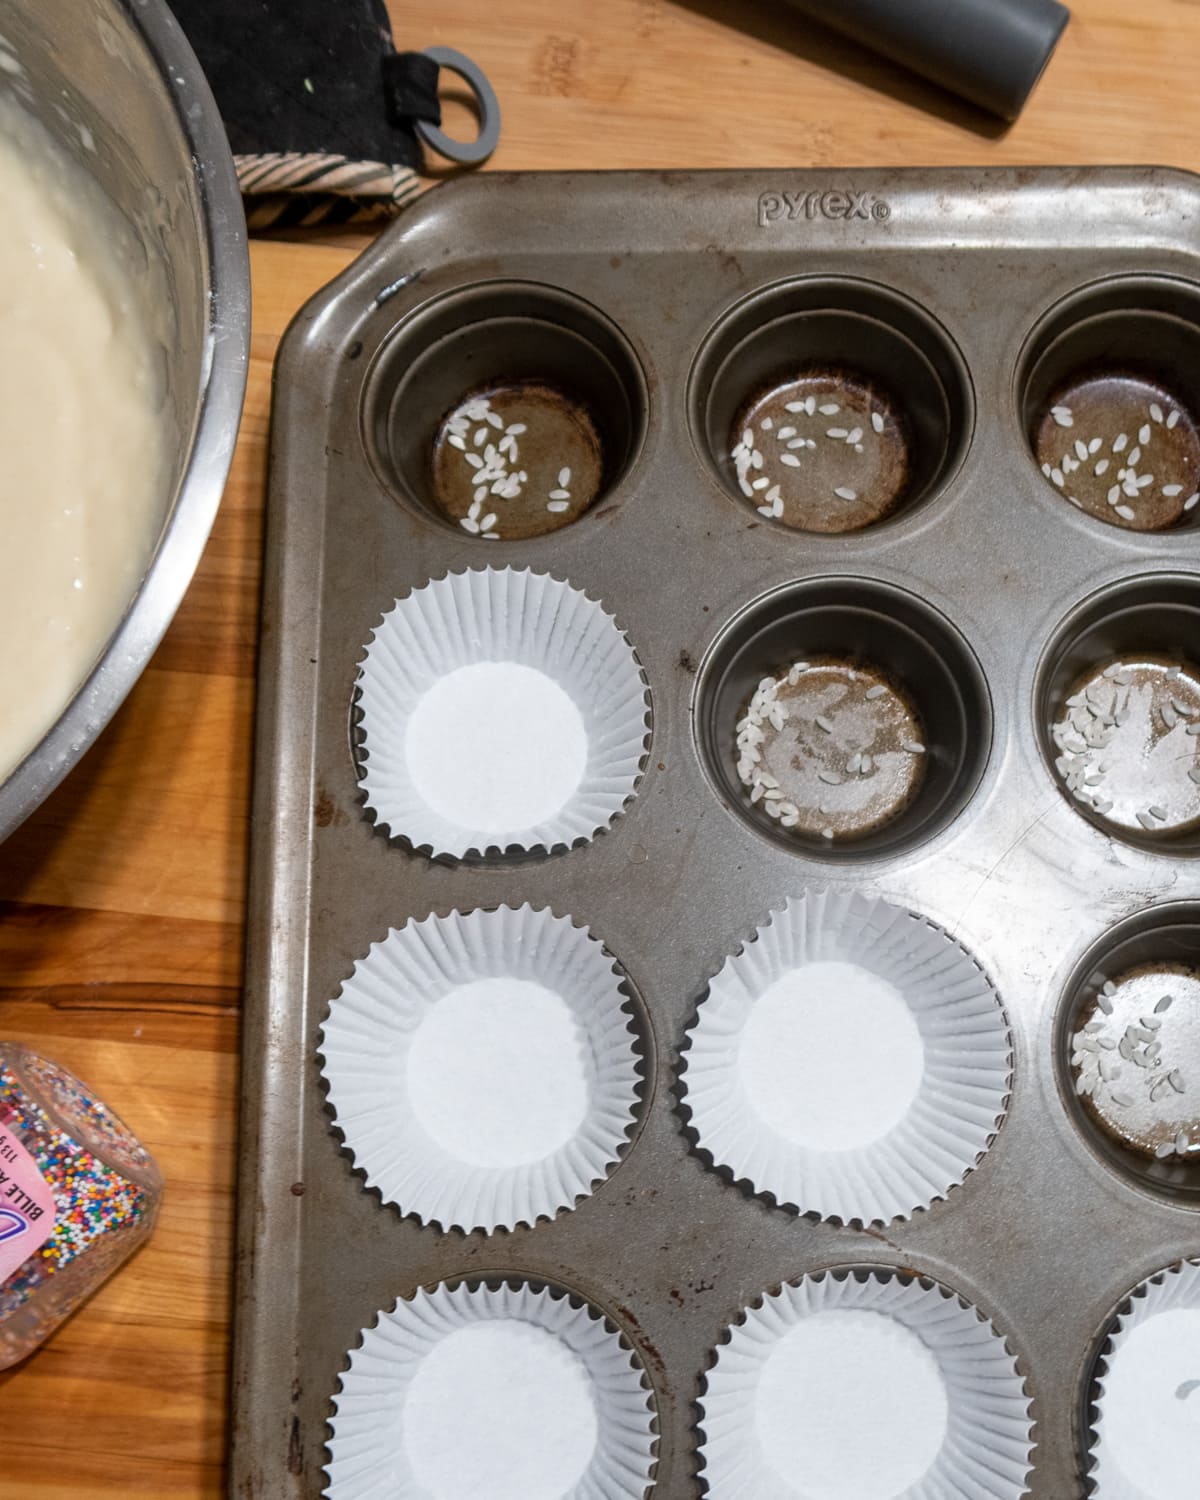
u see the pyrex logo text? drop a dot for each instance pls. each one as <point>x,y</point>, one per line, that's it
<point>834,204</point>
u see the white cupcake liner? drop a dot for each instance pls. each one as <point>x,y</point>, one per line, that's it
<point>515,619</point>
<point>984,1452</point>
<point>523,1438</point>
<point>1146,1434</point>
<point>960,1060</point>
<point>391,1101</point>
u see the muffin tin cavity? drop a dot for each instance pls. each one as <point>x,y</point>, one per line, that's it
<point>1141,1392</point>
<point>829,405</point>
<point>1110,393</point>
<point>862,704</point>
<point>931,1048</point>
<point>511,1389</point>
<point>487,1069</point>
<point>1118,711</point>
<point>864,1382</point>
<point>1127,1050</point>
<point>502,712</point>
<point>505,410</point>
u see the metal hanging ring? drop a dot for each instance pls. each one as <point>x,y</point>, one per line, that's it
<point>467,153</point>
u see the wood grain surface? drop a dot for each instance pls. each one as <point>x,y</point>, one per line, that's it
<point>121,901</point>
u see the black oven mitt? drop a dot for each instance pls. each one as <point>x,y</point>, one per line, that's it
<point>320,108</point>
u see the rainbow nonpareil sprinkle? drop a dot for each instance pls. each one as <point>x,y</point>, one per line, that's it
<point>93,1202</point>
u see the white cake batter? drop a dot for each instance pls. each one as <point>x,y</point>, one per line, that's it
<point>82,441</point>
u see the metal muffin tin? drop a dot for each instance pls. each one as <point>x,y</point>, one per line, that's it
<point>657,293</point>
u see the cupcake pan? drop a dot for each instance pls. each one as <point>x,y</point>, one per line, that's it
<point>976,294</point>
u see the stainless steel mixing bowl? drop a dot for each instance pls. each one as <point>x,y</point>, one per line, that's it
<point>118,87</point>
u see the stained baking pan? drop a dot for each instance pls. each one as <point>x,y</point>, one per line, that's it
<point>977,302</point>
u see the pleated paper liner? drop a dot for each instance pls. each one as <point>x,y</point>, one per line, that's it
<point>851,1061</point>
<point>502,711</point>
<point>491,1392</point>
<point>1145,1436</point>
<point>484,1068</point>
<point>864,1385</point>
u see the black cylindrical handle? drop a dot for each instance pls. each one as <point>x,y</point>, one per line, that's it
<point>989,51</point>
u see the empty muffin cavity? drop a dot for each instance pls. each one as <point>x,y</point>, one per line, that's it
<point>1128,1050</point>
<point>1109,400</point>
<point>843,717</point>
<point>1119,710</point>
<point>506,410</point>
<point>830,404</point>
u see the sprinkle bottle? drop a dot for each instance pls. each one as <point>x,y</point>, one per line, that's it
<point>78,1194</point>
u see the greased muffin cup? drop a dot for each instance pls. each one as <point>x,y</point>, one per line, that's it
<point>502,710</point>
<point>507,1392</point>
<point>484,1067</point>
<point>1146,1434</point>
<point>852,1060</point>
<point>845,1385</point>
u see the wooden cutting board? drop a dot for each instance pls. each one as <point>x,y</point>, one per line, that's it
<point>121,900</point>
